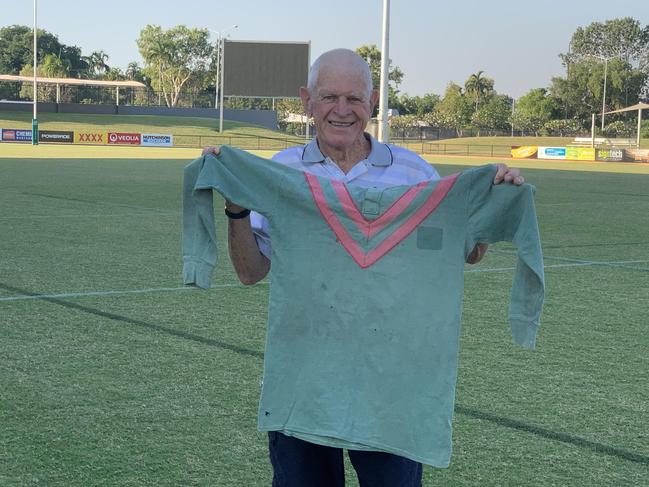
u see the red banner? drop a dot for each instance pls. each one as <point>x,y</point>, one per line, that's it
<point>124,138</point>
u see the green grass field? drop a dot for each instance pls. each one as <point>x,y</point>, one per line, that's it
<point>112,373</point>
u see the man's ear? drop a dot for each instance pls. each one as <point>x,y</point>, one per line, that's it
<point>306,100</point>
<point>374,99</point>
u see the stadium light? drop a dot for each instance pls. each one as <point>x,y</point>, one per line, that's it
<point>35,116</point>
<point>218,85</point>
<point>606,59</point>
<point>385,65</point>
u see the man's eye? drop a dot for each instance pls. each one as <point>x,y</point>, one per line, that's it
<point>329,98</point>
<point>355,100</point>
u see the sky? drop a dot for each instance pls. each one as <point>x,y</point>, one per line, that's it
<point>434,42</point>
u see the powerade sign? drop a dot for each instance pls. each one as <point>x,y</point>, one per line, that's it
<point>124,138</point>
<point>552,153</point>
<point>16,135</point>
<point>609,155</point>
<point>157,140</point>
<point>55,136</point>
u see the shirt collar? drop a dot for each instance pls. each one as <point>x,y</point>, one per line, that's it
<point>380,154</point>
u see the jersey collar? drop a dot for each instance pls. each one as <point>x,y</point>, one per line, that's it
<point>380,154</point>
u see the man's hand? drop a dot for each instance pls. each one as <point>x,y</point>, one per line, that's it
<point>508,174</point>
<point>215,150</point>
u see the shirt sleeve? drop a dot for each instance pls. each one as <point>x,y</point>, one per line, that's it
<point>240,177</point>
<point>259,225</point>
<point>506,212</point>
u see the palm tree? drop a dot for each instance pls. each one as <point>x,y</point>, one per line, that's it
<point>53,67</point>
<point>478,86</point>
<point>133,71</point>
<point>97,63</point>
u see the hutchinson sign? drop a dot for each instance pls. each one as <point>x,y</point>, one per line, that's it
<point>157,140</point>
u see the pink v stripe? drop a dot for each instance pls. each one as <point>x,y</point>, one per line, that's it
<point>366,259</point>
<point>330,217</point>
<point>369,228</point>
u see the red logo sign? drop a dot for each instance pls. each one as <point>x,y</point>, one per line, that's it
<point>123,138</point>
<point>9,134</point>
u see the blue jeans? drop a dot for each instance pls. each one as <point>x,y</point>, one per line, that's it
<point>298,463</point>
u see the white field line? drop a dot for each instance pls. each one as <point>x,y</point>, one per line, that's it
<point>612,263</point>
<point>101,215</point>
<point>116,292</point>
<point>226,286</point>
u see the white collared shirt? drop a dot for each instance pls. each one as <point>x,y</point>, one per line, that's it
<point>386,165</point>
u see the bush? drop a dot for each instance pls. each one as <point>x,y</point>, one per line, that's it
<point>563,128</point>
<point>618,129</point>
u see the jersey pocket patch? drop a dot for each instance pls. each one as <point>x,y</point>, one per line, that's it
<point>429,238</point>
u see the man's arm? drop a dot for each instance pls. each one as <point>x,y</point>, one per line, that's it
<point>249,263</point>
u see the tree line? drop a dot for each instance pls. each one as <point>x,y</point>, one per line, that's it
<point>181,60</point>
<point>615,51</point>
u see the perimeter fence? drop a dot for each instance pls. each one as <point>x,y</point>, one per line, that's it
<point>246,142</point>
<point>484,150</point>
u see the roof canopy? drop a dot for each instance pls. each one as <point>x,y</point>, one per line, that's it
<point>73,81</point>
<point>632,108</point>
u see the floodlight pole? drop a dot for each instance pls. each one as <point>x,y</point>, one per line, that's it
<point>592,130</point>
<point>222,43</point>
<point>218,83</point>
<point>35,116</point>
<point>218,72</point>
<point>385,62</point>
<point>604,94</point>
<point>637,142</point>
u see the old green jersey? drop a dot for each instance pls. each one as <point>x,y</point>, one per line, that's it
<point>366,291</point>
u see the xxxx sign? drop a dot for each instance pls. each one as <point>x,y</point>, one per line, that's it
<point>93,138</point>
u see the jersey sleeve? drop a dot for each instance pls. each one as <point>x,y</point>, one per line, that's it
<point>506,213</point>
<point>244,179</point>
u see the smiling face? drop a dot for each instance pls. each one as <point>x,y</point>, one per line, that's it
<point>341,103</point>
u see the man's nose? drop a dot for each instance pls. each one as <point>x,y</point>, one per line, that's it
<point>342,105</point>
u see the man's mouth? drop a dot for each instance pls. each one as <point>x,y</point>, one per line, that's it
<point>341,124</point>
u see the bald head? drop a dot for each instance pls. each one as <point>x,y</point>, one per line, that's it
<point>340,62</point>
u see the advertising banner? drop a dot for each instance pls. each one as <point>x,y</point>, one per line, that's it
<point>55,136</point>
<point>16,135</point>
<point>552,153</point>
<point>125,138</point>
<point>580,153</point>
<point>609,155</point>
<point>524,152</point>
<point>157,140</point>
<point>636,155</point>
<point>90,137</point>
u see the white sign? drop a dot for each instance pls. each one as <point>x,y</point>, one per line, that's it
<point>552,153</point>
<point>157,140</point>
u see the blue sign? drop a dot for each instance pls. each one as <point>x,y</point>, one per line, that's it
<point>16,135</point>
<point>157,140</point>
<point>552,153</point>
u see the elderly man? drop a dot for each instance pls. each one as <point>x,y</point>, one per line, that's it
<point>340,98</point>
